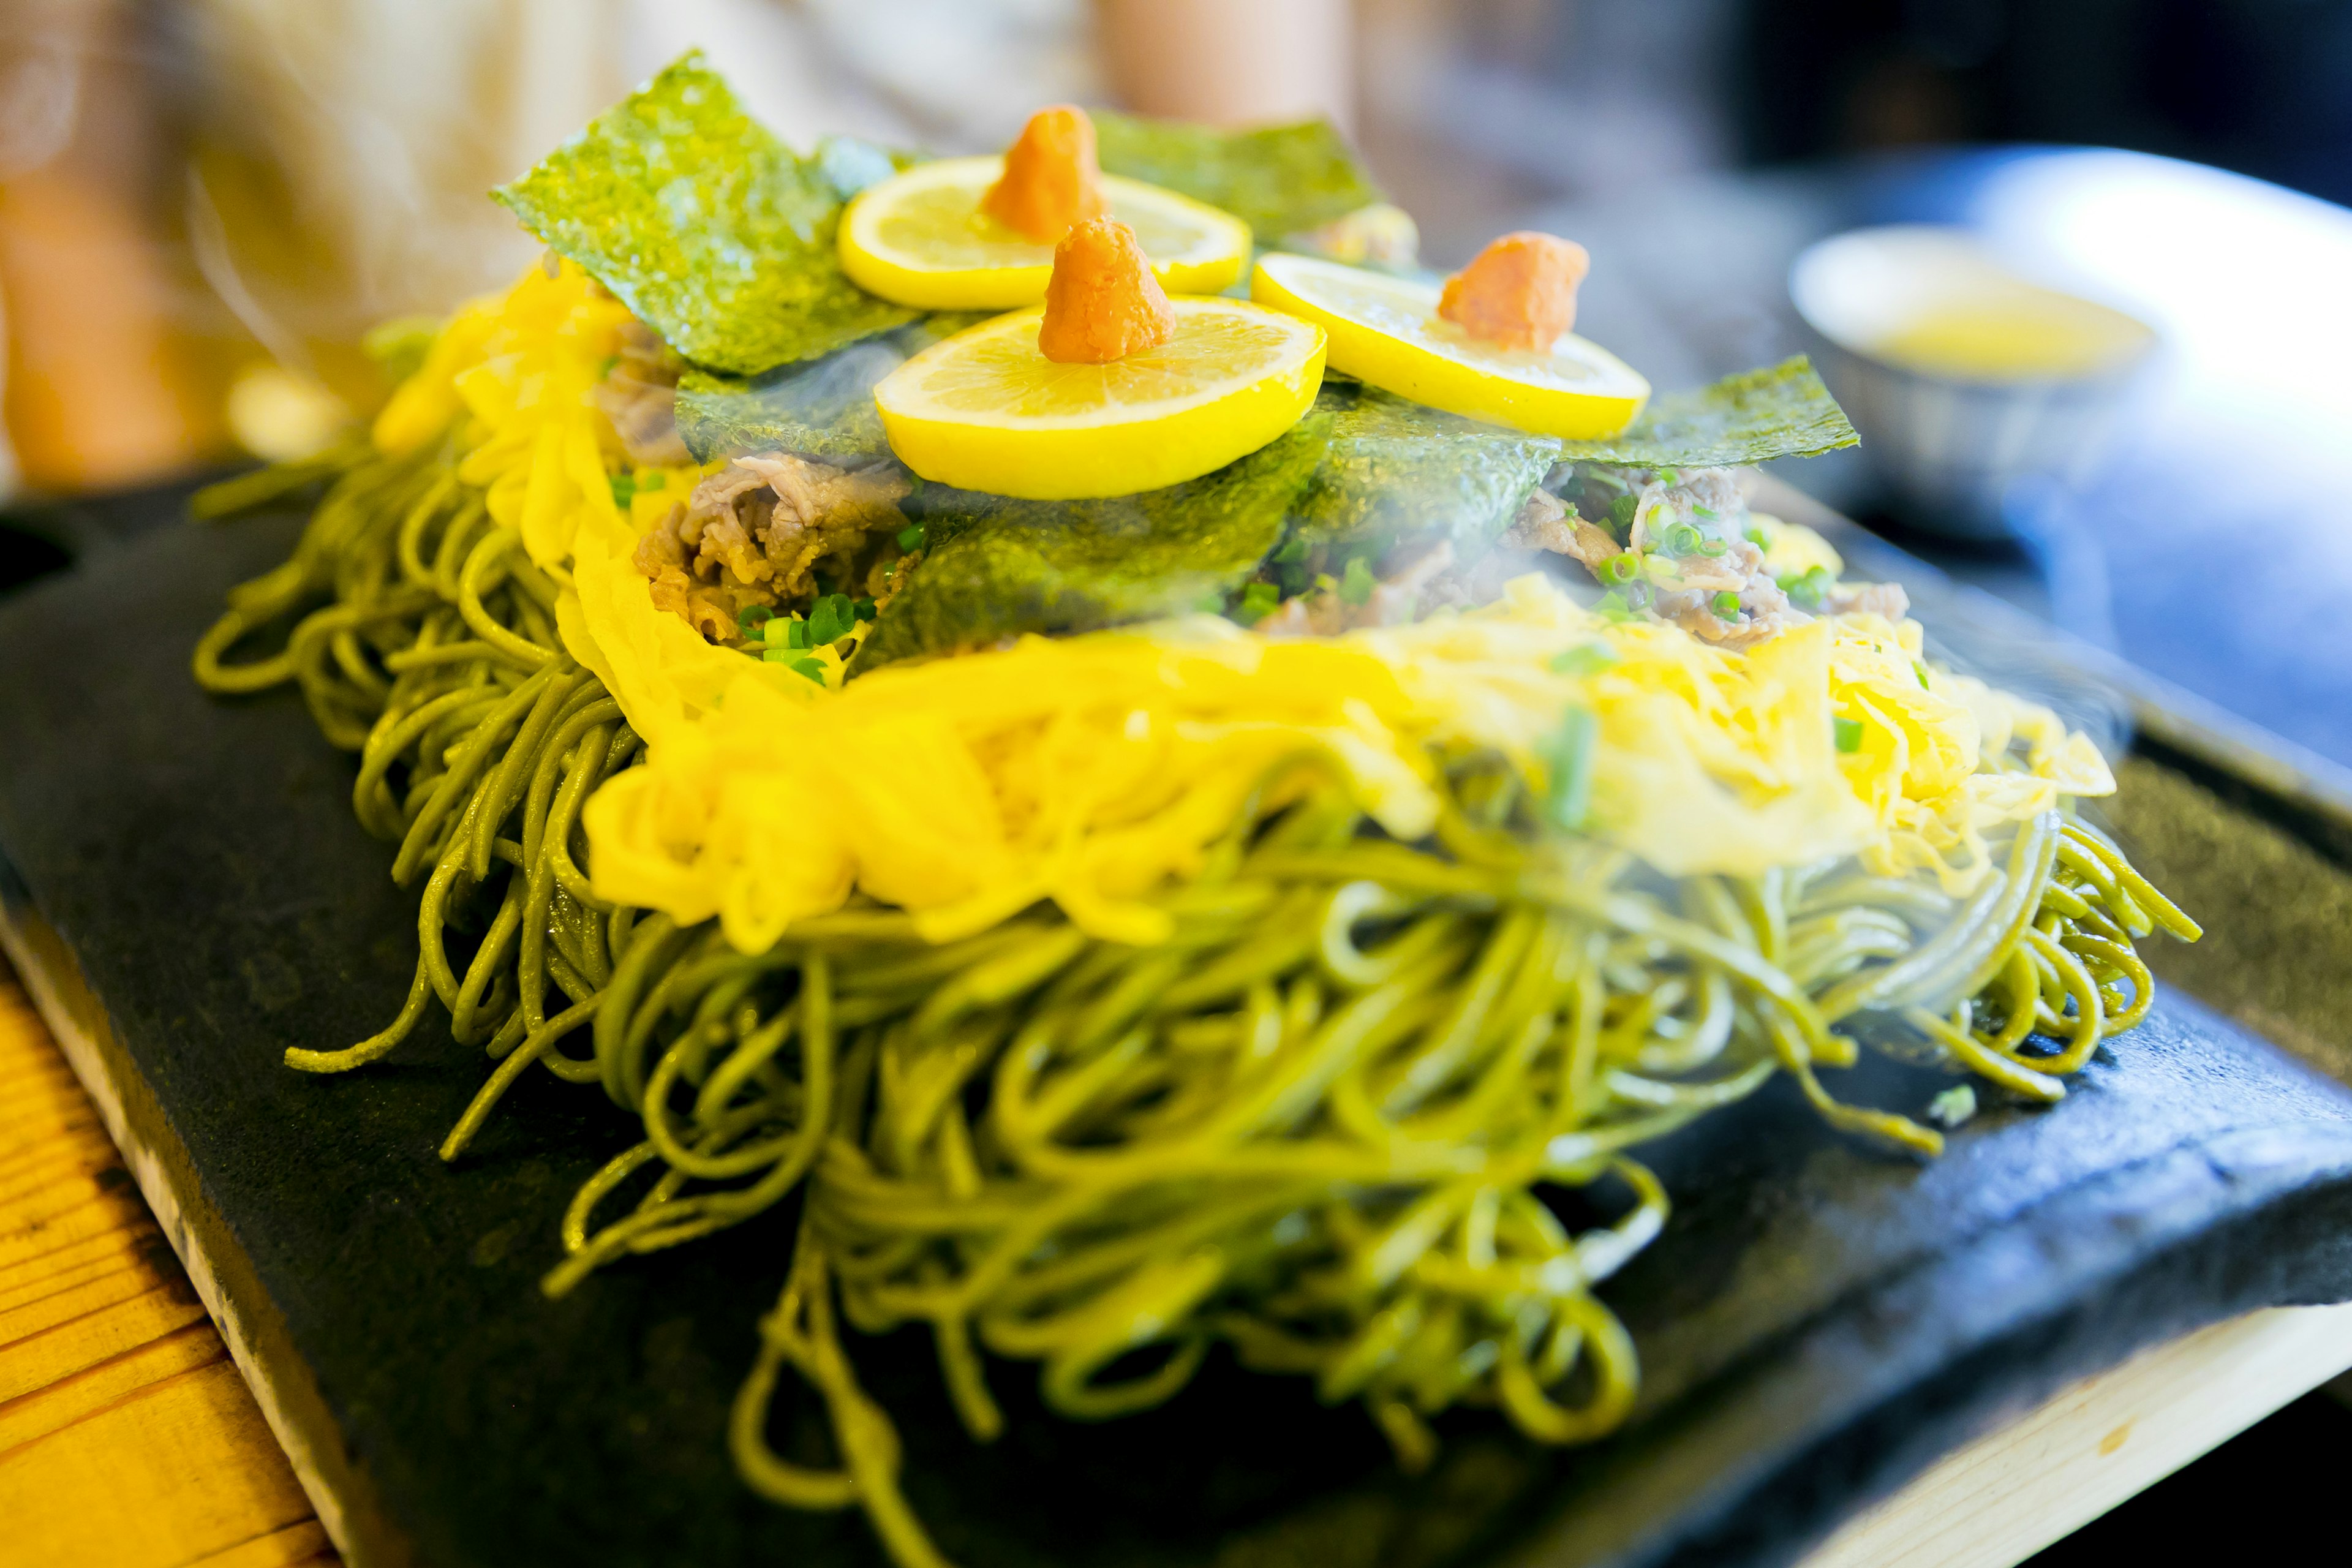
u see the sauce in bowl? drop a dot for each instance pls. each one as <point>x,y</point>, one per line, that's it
<point>2038,334</point>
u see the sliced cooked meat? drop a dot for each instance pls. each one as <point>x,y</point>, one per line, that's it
<point>754,532</point>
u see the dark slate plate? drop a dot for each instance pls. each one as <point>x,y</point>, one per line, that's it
<point>189,895</point>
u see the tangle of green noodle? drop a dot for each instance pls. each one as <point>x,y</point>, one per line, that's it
<point>1317,1127</point>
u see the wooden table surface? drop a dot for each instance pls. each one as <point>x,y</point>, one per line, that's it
<point>127,1438</point>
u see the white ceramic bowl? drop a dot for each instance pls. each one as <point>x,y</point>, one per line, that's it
<point>1951,447</point>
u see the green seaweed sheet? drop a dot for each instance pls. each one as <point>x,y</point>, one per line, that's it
<point>700,220</point>
<point>823,409</point>
<point>1398,474</point>
<point>1779,411</point>
<point>1280,180</point>
<point>997,567</point>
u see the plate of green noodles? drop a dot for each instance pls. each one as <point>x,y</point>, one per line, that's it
<point>1432,994</point>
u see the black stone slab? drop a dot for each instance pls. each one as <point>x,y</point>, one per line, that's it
<point>1818,1323</point>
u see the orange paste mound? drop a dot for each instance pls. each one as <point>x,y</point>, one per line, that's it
<point>1051,179</point>
<point>1103,302</point>
<point>1520,292</point>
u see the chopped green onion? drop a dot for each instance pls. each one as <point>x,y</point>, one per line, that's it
<point>796,633</point>
<point>774,655</point>
<point>1682,539</point>
<point>624,490</point>
<point>1725,604</point>
<point>654,481</point>
<point>810,668</point>
<point>752,618</point>
<point>1807,589</point>
<point>831,619</point>
<point>1755,535</point>
<point>1620,516</point>
<point>1712,547</point>
<point>1294,550</point>
<point>1590,659</point>
<point>1706,512</point>
<point>1356,584</point>
<point>1669,476</point>
<point>1622,567</point>
<point>1567,756</point>
<point>1848,732</point>
<point>1921,671</point>
<point>1612,607</point>
<point>1260,600</point>
<point>910,538</point>
<point>863,609</point>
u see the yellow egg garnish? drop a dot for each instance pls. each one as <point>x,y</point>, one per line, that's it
<point>1094,770</point>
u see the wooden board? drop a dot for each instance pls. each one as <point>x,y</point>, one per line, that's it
<point>127,1439</point>
<point>2000,1499</point>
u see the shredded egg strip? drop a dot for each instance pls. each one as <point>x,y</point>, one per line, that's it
<point>1091,770</point>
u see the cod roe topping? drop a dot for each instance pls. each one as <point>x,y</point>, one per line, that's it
<point>1051,179</point>
<point>1103,303</point>
<point>1520,292</point>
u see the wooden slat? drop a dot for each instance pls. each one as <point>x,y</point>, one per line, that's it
<point>2003,1498</point>
<point>127,1439</point>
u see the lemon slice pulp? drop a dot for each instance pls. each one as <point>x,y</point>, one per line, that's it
<point>986,411</point>
<point>920,239</point>
<point>1387,331</point>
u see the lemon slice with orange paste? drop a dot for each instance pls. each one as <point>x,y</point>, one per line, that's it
<point>1110,388</point>
<point>978,234</point>
<point>1491,344</point>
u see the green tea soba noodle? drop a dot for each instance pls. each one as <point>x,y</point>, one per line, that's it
<point>1313,1121</point>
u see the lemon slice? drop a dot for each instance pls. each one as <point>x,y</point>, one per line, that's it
<point>920,238</point>
<point>986,411</point>
<point>1386,330</point>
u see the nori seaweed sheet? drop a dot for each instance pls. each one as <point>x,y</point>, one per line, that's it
<point>997,567</point>
<point>1362,475</point>
<point>1280,180</point>
<point>705,224</point>
<point>1778,411</point>
<point>1398,473</point>
<point>823,409</point>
